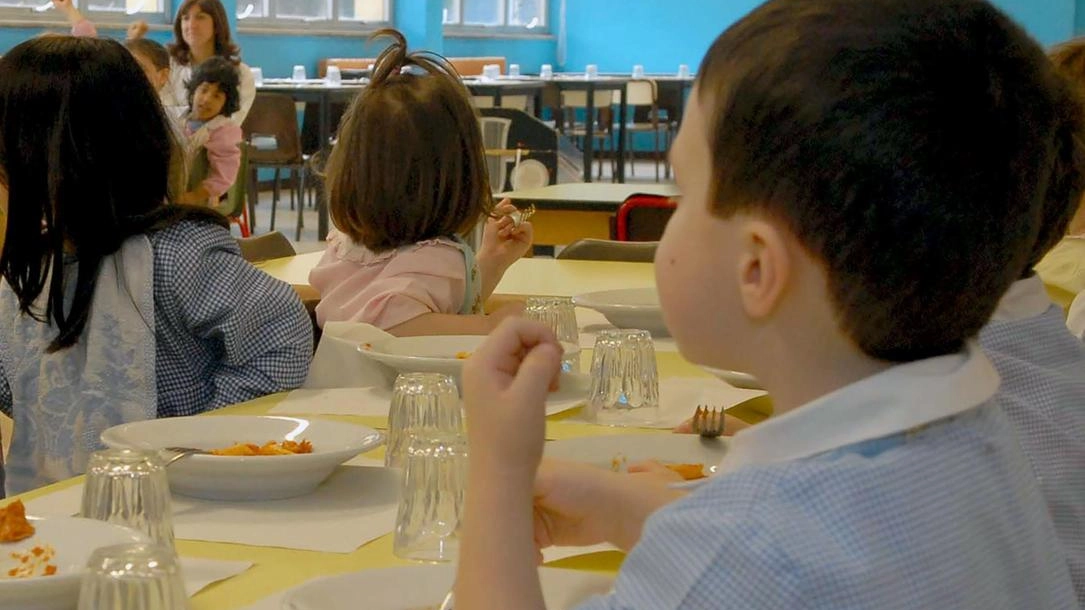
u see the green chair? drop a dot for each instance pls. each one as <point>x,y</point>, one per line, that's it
<point>233,204</point>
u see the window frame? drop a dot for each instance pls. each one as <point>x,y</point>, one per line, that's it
<point>33,16</point>
<point>272,23</point>
<point>459,28</point>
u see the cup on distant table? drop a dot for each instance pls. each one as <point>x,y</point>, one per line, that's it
<point>422,403</point>
<point>491,72</point>
<point>431,498</point>
<point>333,77</point>
<point>133,577</point>
<point>591,72</point>
<point>683,71</point>
<point>546,71</point>
<point>129,487</point>
<point>299,73</point>
<point>559,314</point>
<point>257,76</point>
<point>638,71</point>
<point>514,70</point>
<point>624,380</point>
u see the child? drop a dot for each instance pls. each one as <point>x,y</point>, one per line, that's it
<point>117,307</point>
<point>859,186</point>
<point>1042,365</point>
<point>407,177</point>
<point>152,56</point>
<point>213,138</point>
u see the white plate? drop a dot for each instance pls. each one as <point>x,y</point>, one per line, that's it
<point>627,308</point>
<point>74,540</point>
<point>271,477</point>
<point>675,448</point>
<point>529,174</point>
<point>736,378</point>
<point>430,354</point>
<point>418,587</point>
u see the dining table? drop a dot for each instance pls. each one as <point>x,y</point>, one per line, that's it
<point>275,570</point>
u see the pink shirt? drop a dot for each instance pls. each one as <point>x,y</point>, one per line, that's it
<point>389,288</point>
<point>223,155</point>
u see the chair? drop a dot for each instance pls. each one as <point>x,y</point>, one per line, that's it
<point>603,131</point>
<point>495,136</point>
<point>514,102</point>
<point>643,217</point>
<point>641,96</point>
<point>232,205</point>
<point>265,247</point>
<point>607,250</point>
<point>273,118</point>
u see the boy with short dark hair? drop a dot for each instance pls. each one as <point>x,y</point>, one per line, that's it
<point>861,182</point>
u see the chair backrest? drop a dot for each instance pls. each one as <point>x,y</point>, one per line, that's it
<point>235,199</point>
<point>265,247</point>
<point>639,93</point>
<point>576,99</point>
<point>495,136</point>
<point>643,217</point>
<point>466,66</point>
<point>607,250</point>
<point>273,114</point>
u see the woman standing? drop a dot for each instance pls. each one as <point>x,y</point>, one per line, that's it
<point>200,31</point>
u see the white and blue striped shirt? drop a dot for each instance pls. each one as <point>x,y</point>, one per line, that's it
<point>906,490</point>
<point>1042,366</point>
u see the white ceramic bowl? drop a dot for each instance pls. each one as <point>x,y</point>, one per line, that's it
<point>272,477</point>
<point>425,587</point>
<point>73,539</point>
<point>430,354</point>
<point>601,451</point>
<point>627,308</point>
<point>736,378</point>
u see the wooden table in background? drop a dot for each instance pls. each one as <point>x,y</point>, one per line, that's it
<point>579,210</point>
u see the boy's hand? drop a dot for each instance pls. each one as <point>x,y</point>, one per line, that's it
<point>137,29</point>
<point>505,383</point>
<point>502,240</point>
<point>579,504</point>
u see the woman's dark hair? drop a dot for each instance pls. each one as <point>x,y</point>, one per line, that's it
<point>224,44</point>
<point>221,72</point>
<point>409,164</point>
<point>145,47</point>
<point>85,169</point>
<point>909,146</point>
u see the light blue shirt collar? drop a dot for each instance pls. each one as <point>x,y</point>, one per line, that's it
<point>901,398</point>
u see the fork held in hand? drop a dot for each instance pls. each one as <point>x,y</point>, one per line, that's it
<point>707,422</point>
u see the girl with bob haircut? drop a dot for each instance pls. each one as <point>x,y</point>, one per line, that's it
<point>405,180</point>
<point>117,307</point>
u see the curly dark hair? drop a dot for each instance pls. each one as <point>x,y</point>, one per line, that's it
<point>221,72</point>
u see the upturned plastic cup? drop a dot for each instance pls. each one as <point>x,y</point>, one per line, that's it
<point>299,73</point>
<point>431,498</point>
<point>514,69</point>
<point>546,72</point>
<point>129,487</point>
<point>624,379</point>
<point>591,72</point>
<point>422,403</point>
<point>683,71</point>
<point>257,76</point>
<point>638,71</point>
<point>333,77</point>
<point>133,577</point>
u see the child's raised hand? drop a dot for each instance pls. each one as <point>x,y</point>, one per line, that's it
<point>504,240</point>
<point>64,6</point>
<point>505,384</point>
<point>137,29</point>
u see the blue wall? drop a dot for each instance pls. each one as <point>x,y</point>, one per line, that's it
<point>615,34</point>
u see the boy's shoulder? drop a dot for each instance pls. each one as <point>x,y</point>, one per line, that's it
<point>191,239</point>
<point>838,529</point>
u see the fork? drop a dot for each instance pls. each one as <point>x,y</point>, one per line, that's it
<point>707,422</point>
<point>521,216</point>
<point>183,452</point>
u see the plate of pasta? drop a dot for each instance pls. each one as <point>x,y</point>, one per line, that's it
<point>688,455</point>
<point>248,457</point>
<point>42,560</point>
<point>431,354</point>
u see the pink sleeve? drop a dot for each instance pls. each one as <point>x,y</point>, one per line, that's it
<point>223,159</point>
<point>84,29</point>
<point>429,279</point>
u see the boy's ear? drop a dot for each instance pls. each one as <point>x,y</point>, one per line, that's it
<point>764,267</point>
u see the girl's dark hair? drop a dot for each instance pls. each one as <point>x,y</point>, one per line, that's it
<point>224,45</point>
<point>409,164</point>
<point>220,72</point>
<point>159,56</point>
<point>84,168</point>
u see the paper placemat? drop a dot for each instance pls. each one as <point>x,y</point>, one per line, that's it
<point>354,506</point>
<point>199,572</point>
<point>271,602</point>
<point>554,553</point>
<point>680,396</point>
